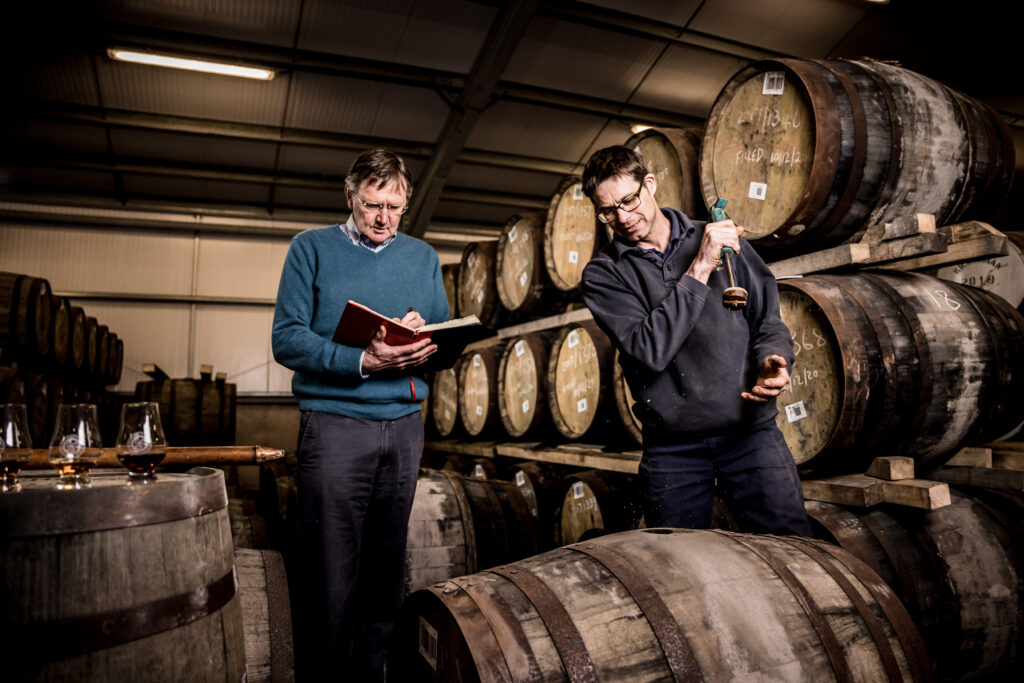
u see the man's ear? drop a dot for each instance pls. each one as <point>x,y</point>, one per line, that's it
<point>652,182</point>
<point>348,198</point>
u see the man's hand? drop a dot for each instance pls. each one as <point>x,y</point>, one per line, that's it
<point>716,235</point>
<point>381,357</point>
<point>412,319</point>
<point>772,378</point>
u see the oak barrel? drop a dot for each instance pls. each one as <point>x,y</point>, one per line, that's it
<point>897,363</point>
<point>76,356</point>
<point>478,391</point>
<point>809,153</point>
<point>92,347</point>
<point>541,486</point>
<point>444,402</point>
<point>266,616</point>
<point>102,353</point>
<point>663,604</point>
<point>121,583</point>
<point>459,525</point>
<point>633,428</point>
<point>450,279</point>
<point>958,571</point>
<point>60,331</point>
<point>477,289</point>
<point>1001,275</point>
<point>579,380</point>
<point>25,316</point>
<point>520,276</point>
<point>672,155</point>
<point>522,386</point>
<point>571,235</point>
<point>596,502</point>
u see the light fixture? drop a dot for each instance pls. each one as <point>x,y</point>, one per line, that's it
<point>638,128</point>
<point>221,68</point>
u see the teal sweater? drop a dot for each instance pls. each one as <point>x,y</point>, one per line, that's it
<point>322,271</point>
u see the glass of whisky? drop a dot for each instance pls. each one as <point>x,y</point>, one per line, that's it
<point>15,445</point>
<point>75,445</point>
<point>140,441</point>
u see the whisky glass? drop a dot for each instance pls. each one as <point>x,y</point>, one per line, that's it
<point>140,441</point>
<point>76,444</point>
<point>15,445</point>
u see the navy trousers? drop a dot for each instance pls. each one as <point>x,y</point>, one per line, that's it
<point>753,468</point>
<point>356,482</point>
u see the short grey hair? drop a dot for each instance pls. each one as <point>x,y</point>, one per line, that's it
<point>380,167</point>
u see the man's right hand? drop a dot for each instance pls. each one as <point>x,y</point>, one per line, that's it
<point>381,357</point>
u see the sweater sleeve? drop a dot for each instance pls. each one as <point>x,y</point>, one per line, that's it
<point>768,333</point>
<point>651,337</point>
<point>296,346</point>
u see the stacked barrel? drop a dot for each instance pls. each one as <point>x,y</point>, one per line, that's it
<point>53,352</point>
<point>193,412</point>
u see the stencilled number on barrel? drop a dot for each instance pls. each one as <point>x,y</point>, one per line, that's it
<point>942,300</point>
<point>817,339</point>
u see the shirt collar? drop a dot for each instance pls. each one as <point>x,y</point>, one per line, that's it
<point>681,226</point>
<point>361,240</point>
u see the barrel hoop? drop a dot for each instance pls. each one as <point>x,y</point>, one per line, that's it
<point>874,626</point>
<point>838,522</point>
<point>488,599</point>
<point>282,656</point>
<point>469,528</point>
<point>486,652</point>
<point>829,640</point>
<point>907,584</point>
<point>666,629</point>
<point>571,649</point>
<point>160,502</point>
<point>895,612</point>
<point>73,637</point>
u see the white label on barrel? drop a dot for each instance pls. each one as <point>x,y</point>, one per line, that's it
<point>526,406</point>
<point>774,82</point>
<point>428,643</point>
<point>478,471</point>
<point>574,257</point>
<point>581,405</point>
<point>520,478</point>
<point>479,410</point>
<point>577,192</point>
<point>520,348</point>
<point>476,361</point>
<point>796,411</point>
<point>447,414</point>
<point>577,489</point>
<point>480,296</point>
<point>512,234</point>
<point>757,191</point>
<point>522,279</point>
<point>573,338</point>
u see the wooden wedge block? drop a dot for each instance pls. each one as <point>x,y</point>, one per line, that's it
<point>971,457</point>
<point>153,370</point>
<point>205,372</point>
<point>918,493</point>
<point>980,476</point>
<point>891,468</point>
<point>851,489</point>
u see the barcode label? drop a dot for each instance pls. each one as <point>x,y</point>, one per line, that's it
<point>428,643</point>
<point>522,279</point>
<point>478,471</point>
<point>573,338</point>
<point>577,192</point>
<point>520,478</point>
<point>757,191</point>
<point>574,257</point>
<point>479,410</point>
<point>796,411</point>
<point>512,233</point>
<point>526,406</point>
<point>476,360</point>
<point>774,82</point>
<point>581,405</point>
<point>577,490</point>
<point>520,348</point>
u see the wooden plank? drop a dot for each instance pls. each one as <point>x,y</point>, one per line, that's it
<point>969,241</point>
<point>479,449</point>
<point>903,226</point>
<point>627,462</point>
<point>918,493</point>
<point>980,476</point>
<point>550,322</point>
<point>1006,446</point>
<point>916,246</point>
<point>857,490</point>
<point>971,457</point>
<point>1008,460</point>
<point>892,468</point>
<point>826,259</point>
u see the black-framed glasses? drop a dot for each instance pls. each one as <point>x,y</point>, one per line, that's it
<point>389,209</point>
<point>628,203</point>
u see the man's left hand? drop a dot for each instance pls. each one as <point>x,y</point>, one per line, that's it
<point>772,378</point>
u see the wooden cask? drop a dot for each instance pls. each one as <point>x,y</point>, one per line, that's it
<point>571,235</point>
<point>450,278</point>
<point>477,290</point>
<point>102,354</point>
<point>8,307</point>
<point>958,571</point>
<point>12,386</point>
<point>79,339</point>
<point>248,526</point>
<point>809,153</point>
<point>37,404</point>
<point>25,316</point>
<point>663,604</point>
<point>1001,275</point>
<point>121,583</point>
<point>597,502</point>
<point>522,386</point>
<point>444,402</point>
<point>519,266</point>
<point>60,331</point>
<point>541,486</point>
<point>478,391</point>
<point>92,347</point>
<point>459,525</point>
<point>672,155</point>
<point>579,380</point>
<point>897,363</point>
<point>266,616</point>
<point>632,427</point>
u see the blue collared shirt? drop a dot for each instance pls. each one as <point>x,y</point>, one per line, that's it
<point>362,240</point>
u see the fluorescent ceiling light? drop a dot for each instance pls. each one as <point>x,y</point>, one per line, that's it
<point>638,128</point>
<point>190,64</point>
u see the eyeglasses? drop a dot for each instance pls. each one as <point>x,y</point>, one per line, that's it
<point>630,203</point>
<point>389,209</point>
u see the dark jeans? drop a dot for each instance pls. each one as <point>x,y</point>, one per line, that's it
<point>754,470</point>
<point>356,481</point>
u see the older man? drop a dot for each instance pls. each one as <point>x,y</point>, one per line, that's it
<point>361,434</point>
<point>704,377</point>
